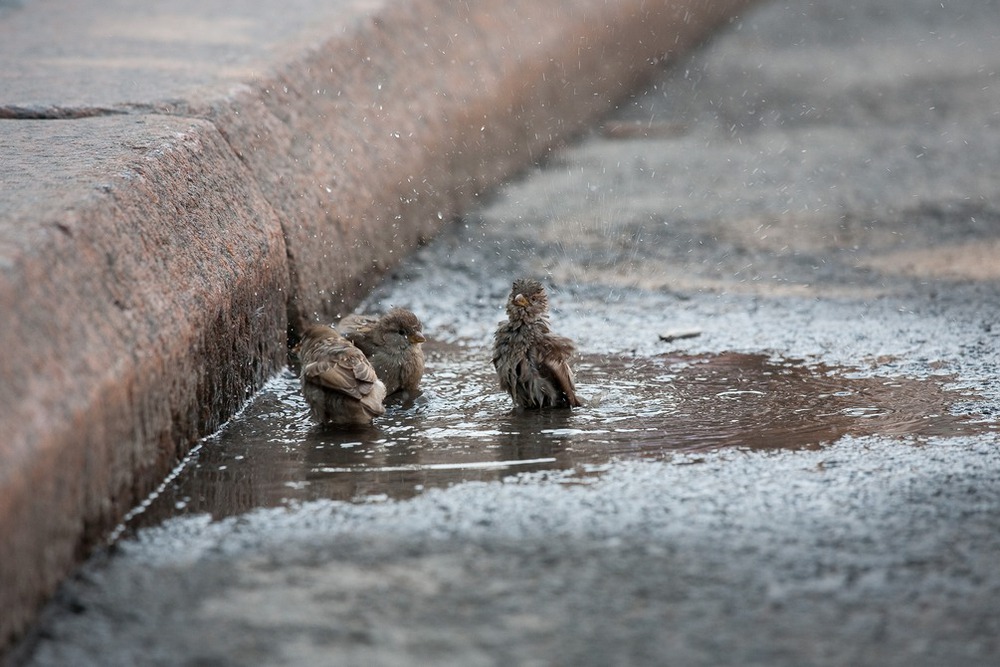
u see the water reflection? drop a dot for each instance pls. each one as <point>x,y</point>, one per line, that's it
<point>463,428</point>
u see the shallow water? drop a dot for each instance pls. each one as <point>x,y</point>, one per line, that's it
<point>462,428</point>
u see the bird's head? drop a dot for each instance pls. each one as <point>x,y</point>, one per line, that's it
<point>401,327</point>
<point>528,301</point>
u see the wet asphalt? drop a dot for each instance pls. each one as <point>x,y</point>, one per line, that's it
<point>817,187</point>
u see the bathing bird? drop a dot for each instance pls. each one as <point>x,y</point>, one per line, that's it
<point>338,382</point>
<point>392,344</point>
<point>531,361</point>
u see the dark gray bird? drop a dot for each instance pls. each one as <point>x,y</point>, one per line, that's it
<point>531,361</point>
<point>338,382</point>
<point>392,344</point>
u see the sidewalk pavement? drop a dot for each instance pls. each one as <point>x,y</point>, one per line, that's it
<point>182,183</point>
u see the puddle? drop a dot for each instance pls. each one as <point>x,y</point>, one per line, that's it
<point>462,428</point>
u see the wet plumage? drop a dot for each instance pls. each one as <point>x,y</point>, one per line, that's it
<point>392,344</point>
<point>338,382</point>
<point>531,361</point>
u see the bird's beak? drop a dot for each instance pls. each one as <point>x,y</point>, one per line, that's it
<point>416,337</point>
<point>521,300</point>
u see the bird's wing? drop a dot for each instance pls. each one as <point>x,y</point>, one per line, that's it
<point>501,339</point>
<point>345,370</point>
<point>374,397</point>
<point>554,363</point>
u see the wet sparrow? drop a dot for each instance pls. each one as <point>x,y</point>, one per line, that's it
<point>392,344</point>
<point>531,361</point>
<point>338,383</point>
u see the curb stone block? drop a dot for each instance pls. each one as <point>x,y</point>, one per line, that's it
<point>142,277</point>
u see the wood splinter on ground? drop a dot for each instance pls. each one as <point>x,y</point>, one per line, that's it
<point>678,334</point>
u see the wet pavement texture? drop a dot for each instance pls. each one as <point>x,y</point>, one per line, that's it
<point>462,429</point>
<point>813,479</point>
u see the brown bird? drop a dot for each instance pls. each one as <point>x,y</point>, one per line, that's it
<point>531,361</point>
<point>338,383</point>
<point>392,344</point>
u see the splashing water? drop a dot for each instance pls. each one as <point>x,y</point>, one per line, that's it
<point>462,428</point>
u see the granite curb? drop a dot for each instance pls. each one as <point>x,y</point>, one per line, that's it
<point>183,185</point>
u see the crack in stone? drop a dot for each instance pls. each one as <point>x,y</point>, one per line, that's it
<point>16,112</point>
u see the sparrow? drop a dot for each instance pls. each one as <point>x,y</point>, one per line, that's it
<point>531,361</point>
<point>338,382</point>
<point>392,344</point>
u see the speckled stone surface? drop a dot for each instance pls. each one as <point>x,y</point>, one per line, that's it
<point>143,296</point>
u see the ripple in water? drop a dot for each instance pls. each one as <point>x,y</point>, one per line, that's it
<point>462,428</point>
